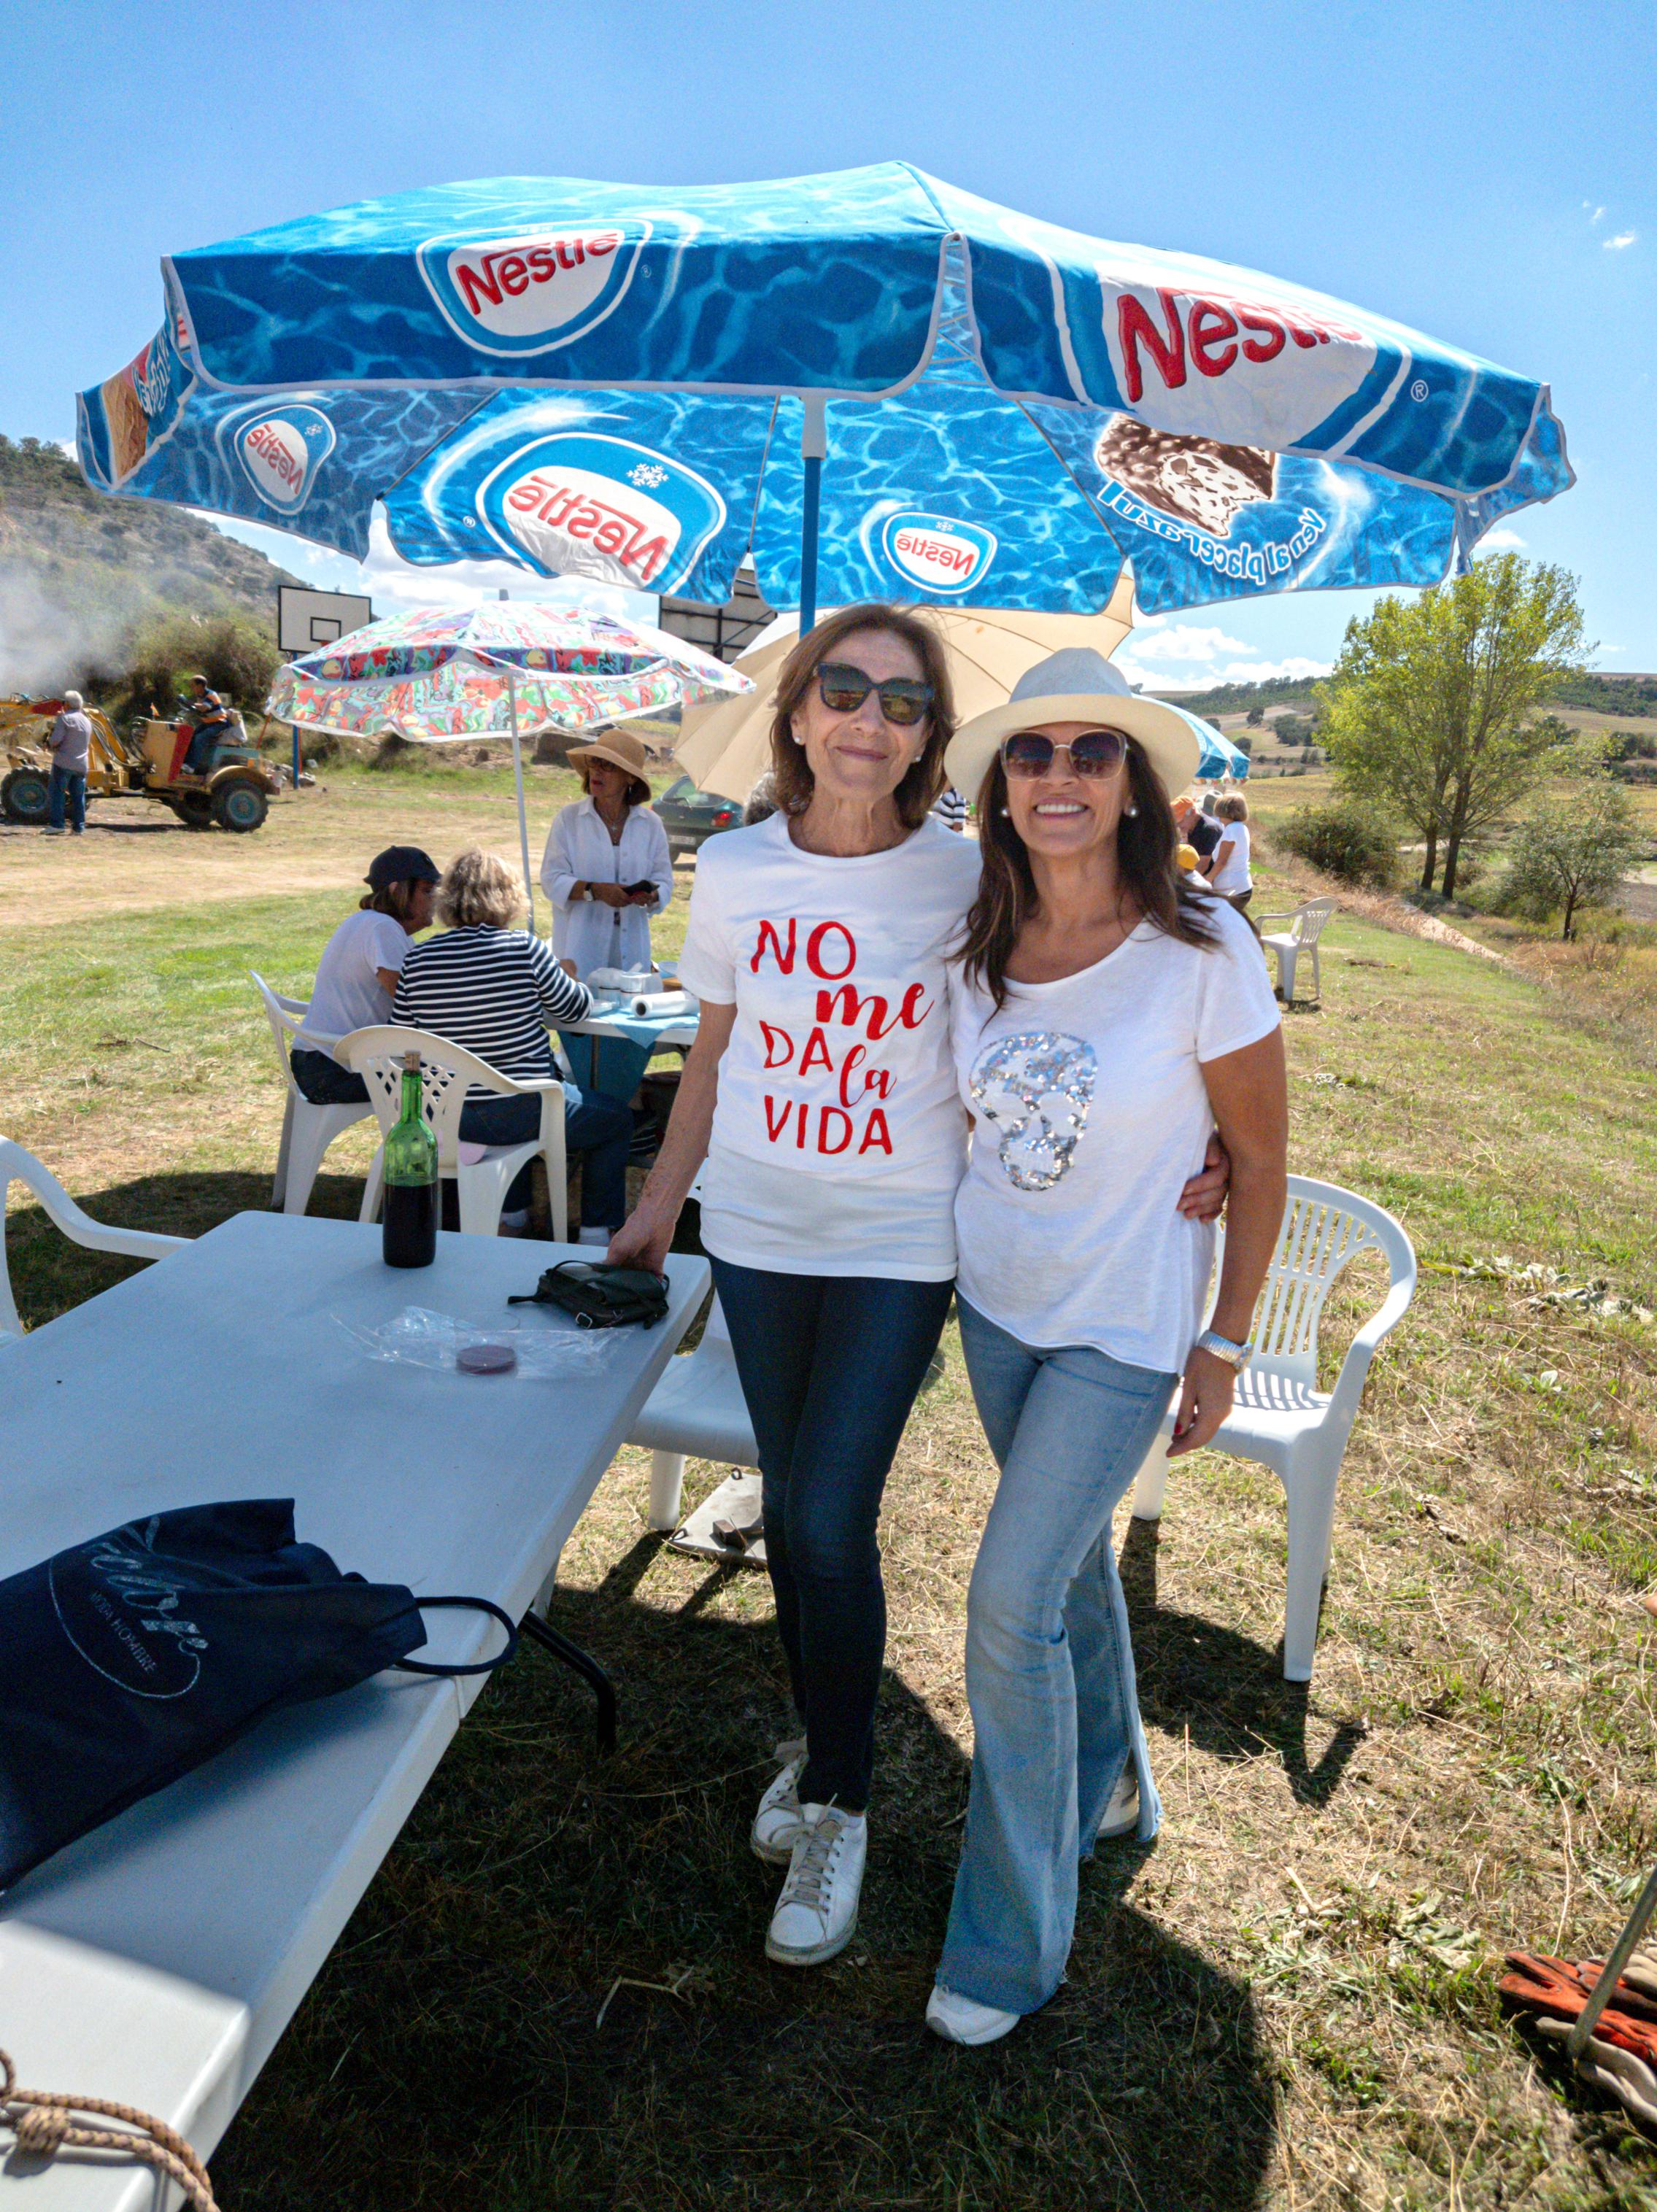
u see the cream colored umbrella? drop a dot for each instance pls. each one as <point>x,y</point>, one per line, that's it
<point>725,746</point>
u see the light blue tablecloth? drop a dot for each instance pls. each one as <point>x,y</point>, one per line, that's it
<point>621,1060</point>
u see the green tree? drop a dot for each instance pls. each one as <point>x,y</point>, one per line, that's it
<point>236,654</point>
<point>1431,708</point>
<point>1256,715</point>
<point>1572,850</point>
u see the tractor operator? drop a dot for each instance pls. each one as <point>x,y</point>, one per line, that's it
<point>211,717</point>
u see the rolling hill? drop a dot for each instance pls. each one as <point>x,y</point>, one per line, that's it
<point>78,568</point>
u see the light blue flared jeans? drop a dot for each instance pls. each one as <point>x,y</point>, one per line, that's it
<point>1050,1671</point>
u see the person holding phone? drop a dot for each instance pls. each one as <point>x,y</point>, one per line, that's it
<point>607,868</point>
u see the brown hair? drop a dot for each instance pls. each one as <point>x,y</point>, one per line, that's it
<point>1232,809</point>
<point>478,887</point>
<point>638,792</point>
<point>1146,842</point>
<point>395,900</point>
<point>790,770</point>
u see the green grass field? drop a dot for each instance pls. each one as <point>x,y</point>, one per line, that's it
<point>1287,2000</point>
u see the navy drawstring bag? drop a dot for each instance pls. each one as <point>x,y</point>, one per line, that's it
<point>130,1659</point>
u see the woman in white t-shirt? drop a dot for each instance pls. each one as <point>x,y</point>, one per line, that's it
<point>1231,875</point>
<point>822,1094</point>
<point>357,975</point>
<point>1106,1015</point>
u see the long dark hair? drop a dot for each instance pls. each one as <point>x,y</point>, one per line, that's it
<point>1146,843</point>
<point>790,770</point>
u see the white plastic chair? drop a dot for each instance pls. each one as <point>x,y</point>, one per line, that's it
<point>18,1166</point>
<point>307,1130</point>
<point>1305,927</point>
<point>1280,1417</point>
<point>481,1173</point>
<point>697,1412</point>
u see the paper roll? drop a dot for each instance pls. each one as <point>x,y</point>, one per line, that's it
<point>651,1004</point>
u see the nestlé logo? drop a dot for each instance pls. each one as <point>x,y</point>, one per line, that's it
<point>532,293</point>
<point>578,504</point>
<point>281,450</point>
<point>940,554</point>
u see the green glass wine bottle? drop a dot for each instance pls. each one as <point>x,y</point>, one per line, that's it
<point>411,1215</point>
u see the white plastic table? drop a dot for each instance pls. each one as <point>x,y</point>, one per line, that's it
<point>157,1961</point>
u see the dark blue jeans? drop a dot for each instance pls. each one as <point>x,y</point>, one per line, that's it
<point>324,1081</point>
<point>62,783</point>
<point>600,1128</point>
<point>829,1366</point>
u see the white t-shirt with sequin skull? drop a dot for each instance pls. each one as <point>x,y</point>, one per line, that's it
<point>1089,1114</point>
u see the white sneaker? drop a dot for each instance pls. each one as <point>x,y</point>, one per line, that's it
<point>776,1824</point>
<point>816,1916</point>
<point>963,2019</point>
<point>1122,1814</point>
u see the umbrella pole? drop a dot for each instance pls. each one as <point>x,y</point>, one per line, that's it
<point>814,446</point>
<point>518,778</point>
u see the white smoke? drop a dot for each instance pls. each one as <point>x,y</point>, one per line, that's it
<point>44,644</point>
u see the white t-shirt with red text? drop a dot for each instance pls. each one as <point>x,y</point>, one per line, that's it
<point>839,1137</point>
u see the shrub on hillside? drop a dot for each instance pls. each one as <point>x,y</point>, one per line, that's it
<point>236,654</point>
<point>1346,840</point>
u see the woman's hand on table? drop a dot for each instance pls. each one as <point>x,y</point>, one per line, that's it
<point>1205,1398</point>
<point>641,1241</point>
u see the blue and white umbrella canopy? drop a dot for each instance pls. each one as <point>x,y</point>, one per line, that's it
<point>633,384</point>
<point>1221,758</point>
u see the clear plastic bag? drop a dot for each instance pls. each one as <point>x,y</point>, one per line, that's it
<point>548,1345</point>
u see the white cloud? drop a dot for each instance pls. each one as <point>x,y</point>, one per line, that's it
<point>1501,540</point>
<point>1621,239</point>
<point>1594,214</point>
<point>1185,641</point>
<point>1198,678</point>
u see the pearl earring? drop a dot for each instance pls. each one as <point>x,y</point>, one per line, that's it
<point>1003,811</point>
<point>1132,810</point>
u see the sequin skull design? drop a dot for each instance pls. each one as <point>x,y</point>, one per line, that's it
<point>1035,1090</point>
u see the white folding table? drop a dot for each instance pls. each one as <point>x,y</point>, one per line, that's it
<point>157,1961</point>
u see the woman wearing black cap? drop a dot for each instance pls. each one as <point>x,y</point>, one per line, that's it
<point>357,973</point>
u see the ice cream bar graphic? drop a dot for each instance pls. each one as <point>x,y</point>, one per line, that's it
<point>1196,480</point>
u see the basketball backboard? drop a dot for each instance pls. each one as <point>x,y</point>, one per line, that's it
<point>306,619</point>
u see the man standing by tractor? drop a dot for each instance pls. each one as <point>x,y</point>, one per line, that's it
<point>211,717</point>
<point>70,744</point>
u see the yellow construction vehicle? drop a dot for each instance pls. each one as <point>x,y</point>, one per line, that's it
<point>145,761</point>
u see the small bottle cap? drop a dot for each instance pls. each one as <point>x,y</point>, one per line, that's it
<point>411,1062</point>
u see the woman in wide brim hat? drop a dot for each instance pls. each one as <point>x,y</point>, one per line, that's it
<point>607,868</point>
<point>1107,1016</point>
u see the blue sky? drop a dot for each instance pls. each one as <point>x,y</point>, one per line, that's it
<point>1482,170</point>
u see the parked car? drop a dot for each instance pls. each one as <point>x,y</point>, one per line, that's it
<point>691,816</point>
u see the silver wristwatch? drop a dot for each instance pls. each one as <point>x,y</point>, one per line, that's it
<point>1234,1355</point>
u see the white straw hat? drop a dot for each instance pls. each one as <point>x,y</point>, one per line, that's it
<point>1076,685</point>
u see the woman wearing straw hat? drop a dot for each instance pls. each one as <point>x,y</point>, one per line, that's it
<point>1108,1014</point>
<point>607,868</point>
<point>822,1095</point>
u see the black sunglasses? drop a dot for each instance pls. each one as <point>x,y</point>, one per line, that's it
<point>843,689</point>
<point>1095,752</point>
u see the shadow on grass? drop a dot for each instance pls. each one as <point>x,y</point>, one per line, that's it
<point>1226,1689</point>
<point>49,1274</point>
<point>452,2052</point>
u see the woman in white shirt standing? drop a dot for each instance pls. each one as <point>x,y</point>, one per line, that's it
<point>1106,1015</point>
<point>607,868</point>
<point>357,975</point>
<point>821,1092</point>
<point>1231,875</point>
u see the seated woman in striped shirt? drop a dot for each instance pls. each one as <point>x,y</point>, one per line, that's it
<point>493,987</point>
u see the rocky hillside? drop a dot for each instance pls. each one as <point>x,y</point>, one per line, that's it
<point>77,569</point>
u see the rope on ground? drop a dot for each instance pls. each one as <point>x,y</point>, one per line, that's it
<point>43,2122</point>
